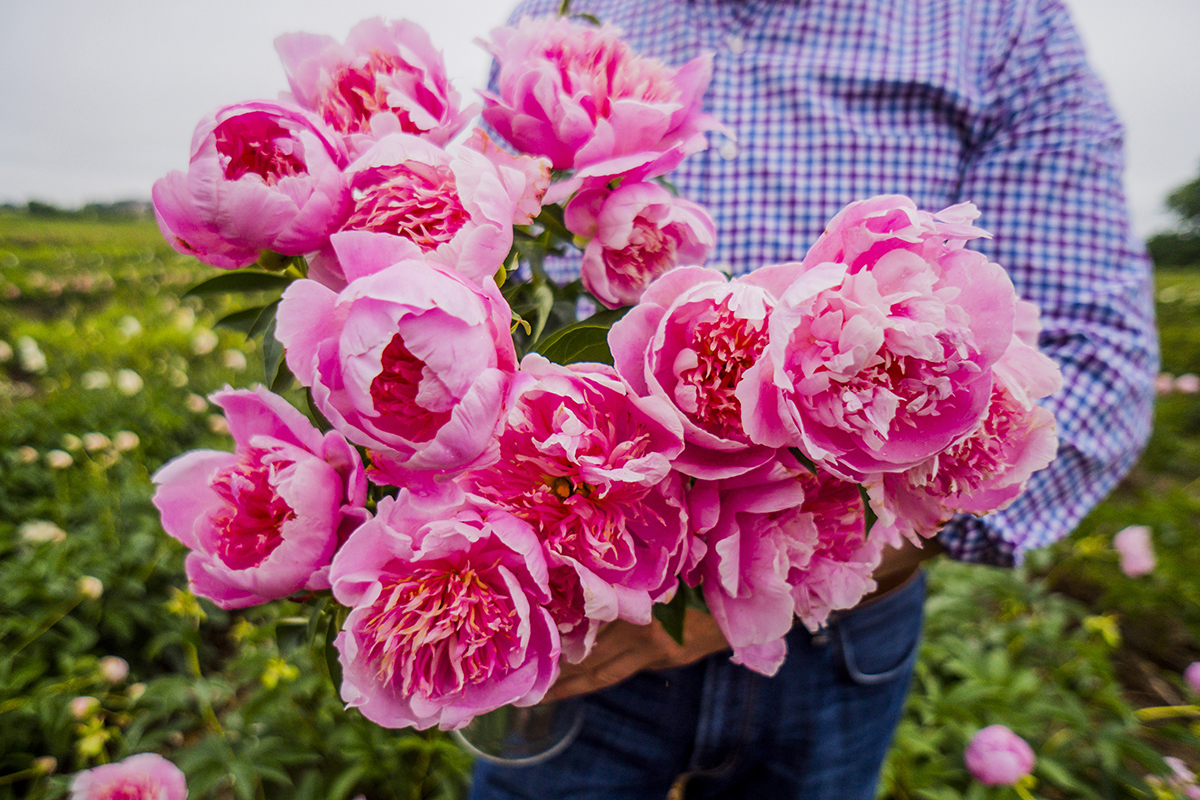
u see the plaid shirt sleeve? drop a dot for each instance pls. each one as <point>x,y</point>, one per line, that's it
<point>1047,177</point>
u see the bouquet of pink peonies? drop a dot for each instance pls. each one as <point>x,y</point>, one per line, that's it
<point>480,481</point>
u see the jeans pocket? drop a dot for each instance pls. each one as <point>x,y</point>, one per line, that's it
<point>879,642</point>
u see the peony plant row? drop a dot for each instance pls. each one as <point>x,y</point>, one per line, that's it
<point>479,482</point>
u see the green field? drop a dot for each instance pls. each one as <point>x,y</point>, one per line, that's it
<point>103,374</point>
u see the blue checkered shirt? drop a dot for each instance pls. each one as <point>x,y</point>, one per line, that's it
<point>991,101</point>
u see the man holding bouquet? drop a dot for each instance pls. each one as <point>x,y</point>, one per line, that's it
<point>945,101</point>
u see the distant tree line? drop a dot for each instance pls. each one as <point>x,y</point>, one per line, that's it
<point>120,210</point>
<point>1181,246</point>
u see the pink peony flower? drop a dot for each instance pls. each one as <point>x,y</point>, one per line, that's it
<point>410,360</point>
<point>1191,676</point>
<point>998,757</point>
<point>779,542</point>
<point>587,465</point>
<point>880,356</point>
<point>637,232</point>
<point>455,208</point>
<point>447,618</point>
<point>386,78</point>
<point>264,521</point>
<point>579,96</point>
<point>146,776</point>
<point>533,174</point>
<point>263,176</point>
<point>986,470</point>
<point>1180,774</point>
<point>1135,550</point>
<point>689,341</point>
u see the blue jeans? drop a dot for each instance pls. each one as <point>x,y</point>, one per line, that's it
<point>818,730</point>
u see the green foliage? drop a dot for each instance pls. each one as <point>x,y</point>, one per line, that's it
<point>1002,649</point>
<point>1185,201</point>
<point>1172,249</point>
<point>1180,247</point>
<point>586,340</point>
<point>240,700</point>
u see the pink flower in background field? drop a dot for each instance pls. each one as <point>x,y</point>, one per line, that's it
<point>146,776</point>
<point>779,542</point>
<point>448,619</point>
<point>998,757</point>
<point>986,470</point>
<point>578,95</point>
<point>455,208</point>
<point>1164,383</point>
<point>881,356</point>
<point>1191,676</point>
<point>262,176</point>
<point>637,232</point>
<point>1136,550</point>
<point>587,465</point>
<point>386,78</point>
<point>689,341</point>
<point>411,360</point>
<point>114,669</point>
<point>264,521</point>
<point>1188,383</point>
<point>83,706</point>
<point>1181,779</point>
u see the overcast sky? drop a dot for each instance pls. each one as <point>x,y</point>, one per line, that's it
<point>98,99</point>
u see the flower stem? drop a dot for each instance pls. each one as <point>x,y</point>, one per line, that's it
<point>1167,712</point>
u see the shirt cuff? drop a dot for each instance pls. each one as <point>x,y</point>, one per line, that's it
<point>968,538</point>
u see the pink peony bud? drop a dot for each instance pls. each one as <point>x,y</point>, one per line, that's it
<point>82,707</point>
<point>1179,770</point>
<point>1135,549</point>
<point>637,232</point>
<point>114,669</point>
<point>147,776</point>
<point>1192,676</point>
<point>91,587</point>
<point>39,531</point>
<point>1188,383</point>
<point>264,521</point>
<point>998,757</point>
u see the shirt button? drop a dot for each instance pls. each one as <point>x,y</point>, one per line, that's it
<point>736,44</point>
<point>728,151</point>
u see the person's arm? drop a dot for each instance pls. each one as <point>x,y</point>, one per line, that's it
<point>623,649</point>
<point>1046,175</point>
